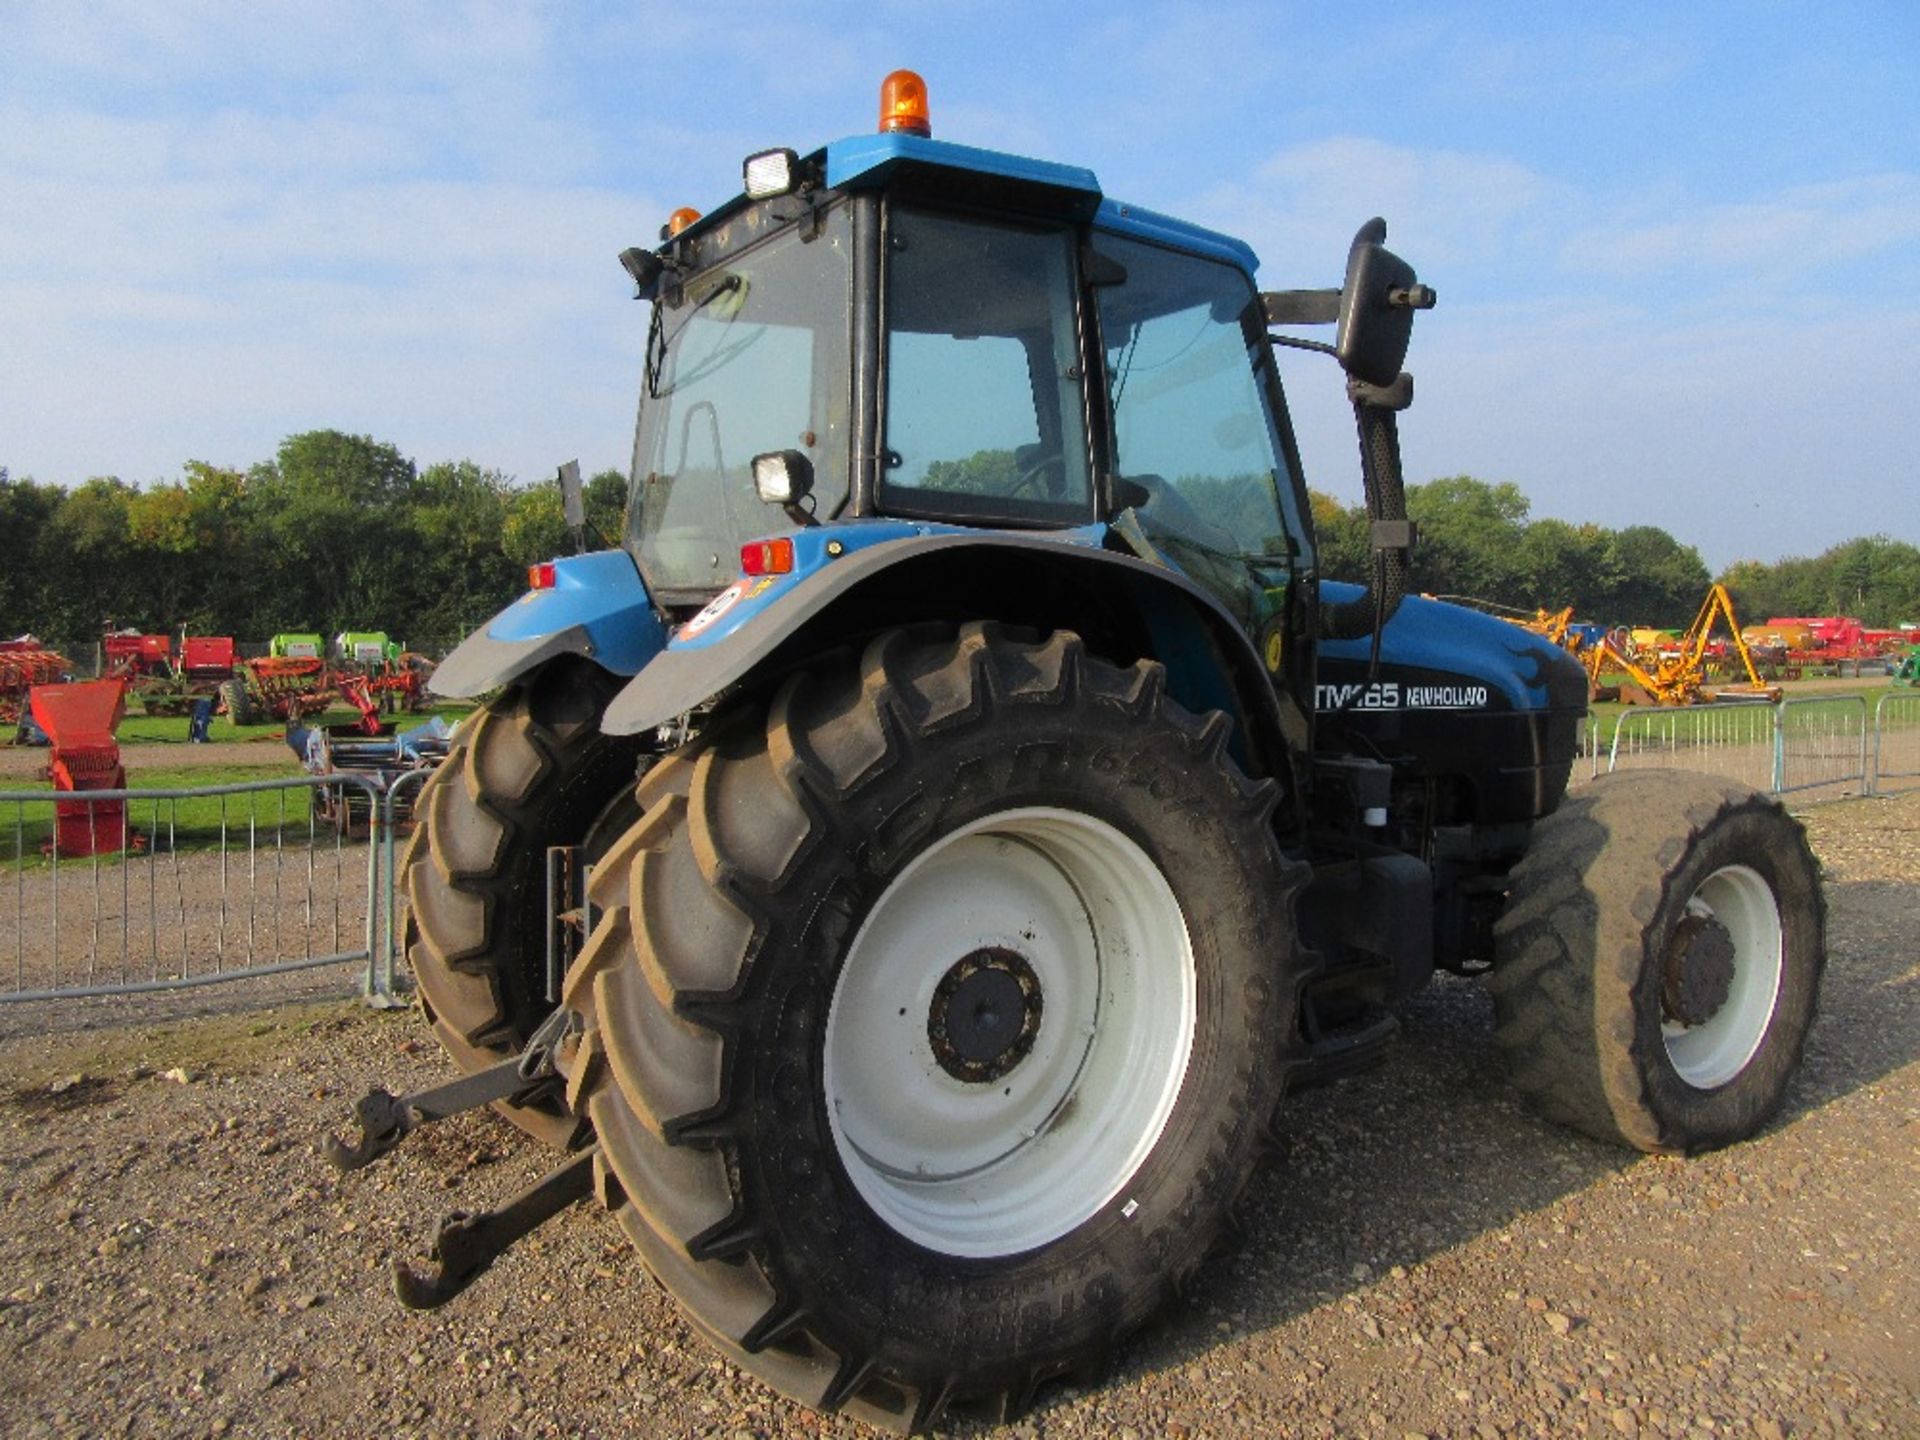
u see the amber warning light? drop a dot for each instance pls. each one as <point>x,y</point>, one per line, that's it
<point>903,105</point>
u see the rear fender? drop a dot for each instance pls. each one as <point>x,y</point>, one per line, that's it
<point>849,582</point>
<point>598,607</point>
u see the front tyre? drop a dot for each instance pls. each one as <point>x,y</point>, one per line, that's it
<point>934,1018</point>
<point>1658,964</point>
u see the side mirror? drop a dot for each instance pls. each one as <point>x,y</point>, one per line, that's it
<point>1376,308</point>
<point>573,505</point>
<point>784,478</point>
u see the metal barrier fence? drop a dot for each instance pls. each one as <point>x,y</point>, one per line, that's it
<point>1896,743</point>
<point>1736,741</point>
<point>189,886</point>
<point>219,883</point>
<point>1818,743</point>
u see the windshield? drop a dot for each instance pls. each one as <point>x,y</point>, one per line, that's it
<point>748,355</point>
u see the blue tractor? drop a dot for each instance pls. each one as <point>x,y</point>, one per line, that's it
<point>987,810</point>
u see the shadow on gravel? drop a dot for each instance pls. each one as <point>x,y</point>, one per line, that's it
<point>1434,1148</point>
<point>1869,1020</point>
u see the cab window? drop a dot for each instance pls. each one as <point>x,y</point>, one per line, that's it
<point>985,418</point>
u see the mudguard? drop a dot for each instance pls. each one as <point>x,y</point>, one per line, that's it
<point>748,622</point>
<point>598,607</point>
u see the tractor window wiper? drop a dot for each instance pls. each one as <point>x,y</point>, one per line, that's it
<point>658,340</point>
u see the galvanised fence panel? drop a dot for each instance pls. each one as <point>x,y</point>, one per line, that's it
<point>1896,742</point>
<point>186,887</point>
<point>1736,741</point>
<point>1822,743</point>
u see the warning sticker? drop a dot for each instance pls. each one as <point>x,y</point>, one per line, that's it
<point>716,607</point>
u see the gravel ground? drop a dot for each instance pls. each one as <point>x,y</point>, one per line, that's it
<point>1428,1260</point>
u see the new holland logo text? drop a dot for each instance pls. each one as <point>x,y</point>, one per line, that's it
<point>1392,695</point>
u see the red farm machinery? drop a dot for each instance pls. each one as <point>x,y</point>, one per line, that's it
<point>80,719</point>
<point>1794,644</point>
<point>165,681</point>
<point>297,672</point>
<point>25,663</point>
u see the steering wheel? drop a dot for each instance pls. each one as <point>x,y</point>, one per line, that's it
<point>1047,466</point>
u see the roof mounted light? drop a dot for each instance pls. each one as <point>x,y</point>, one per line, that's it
<point>645,267</point>
<point>679,220</point>
<point>903,105</point>
<point>770,173</point>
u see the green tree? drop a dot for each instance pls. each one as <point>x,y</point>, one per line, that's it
<point>328,506</point>
<point>1559,564</point>
<point>456,522</point>
<point>1340,538</point>
<point>1661,582</point>
<point>1469,537</point>
<point>27,510</point>
<point>85,555</point>
<point>606,505</point>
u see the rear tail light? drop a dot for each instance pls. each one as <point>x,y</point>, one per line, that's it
<point>540,577</point>
<point>767,557</point>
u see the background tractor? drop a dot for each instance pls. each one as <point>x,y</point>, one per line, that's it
<point>988,811</point>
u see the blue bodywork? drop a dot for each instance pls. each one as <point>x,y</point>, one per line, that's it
<point>598,607</point>
<point>814,549</point>
<point>866,161</point>
<point>1530,671</point>
<point>602,592</point>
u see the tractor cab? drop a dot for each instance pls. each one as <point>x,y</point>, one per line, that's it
<point>893,326</point>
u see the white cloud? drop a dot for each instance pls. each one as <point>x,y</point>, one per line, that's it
<point>1567,354</point>
<point>1793,230</point>
<point>1451,207</point>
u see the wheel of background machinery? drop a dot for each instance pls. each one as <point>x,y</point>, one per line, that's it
<point>240,707</point>
<point>528,770</point>
<point>1659,959</point>
<point>935,1018</point>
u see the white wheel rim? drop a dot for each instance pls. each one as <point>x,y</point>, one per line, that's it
<point>1716,1051</point>
<point>990,1168</point>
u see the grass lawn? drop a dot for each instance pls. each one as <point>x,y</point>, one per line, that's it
<point>267,818</point>
<point>172,729</point>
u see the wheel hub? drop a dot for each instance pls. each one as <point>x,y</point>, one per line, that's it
<point>1698,975</point>
<point>985,1015</point>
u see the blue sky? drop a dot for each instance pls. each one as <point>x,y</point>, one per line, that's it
<point>1677,246</point>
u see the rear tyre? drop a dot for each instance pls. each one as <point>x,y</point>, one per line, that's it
<point>529,770</point>
<point>1658,963</point>
<point>240,707</point>
<point>934,1017</point>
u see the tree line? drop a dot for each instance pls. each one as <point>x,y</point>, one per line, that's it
<point>336,532</point>
<point>1478,539</point>
<point>342,532</point>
